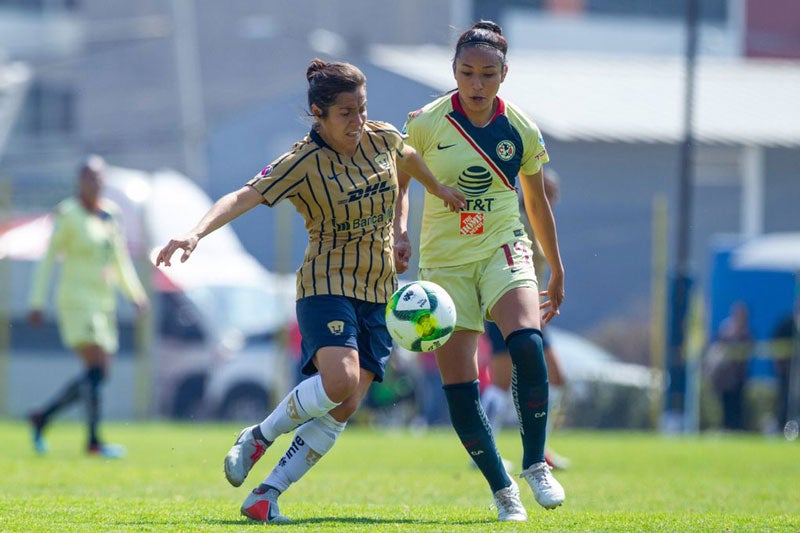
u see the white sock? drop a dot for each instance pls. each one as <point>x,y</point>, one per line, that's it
<point>306,401</point>
<point>311,441</point>
<point>496,403</point>
<point>554,404</point>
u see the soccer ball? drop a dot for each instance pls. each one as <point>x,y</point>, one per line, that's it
<point>420,316</point>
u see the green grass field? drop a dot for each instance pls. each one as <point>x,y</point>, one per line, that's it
<point>393,480</point>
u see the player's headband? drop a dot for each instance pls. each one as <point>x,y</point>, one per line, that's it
<point>474,42</point>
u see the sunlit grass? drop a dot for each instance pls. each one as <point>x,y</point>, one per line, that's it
<point>384,480</point>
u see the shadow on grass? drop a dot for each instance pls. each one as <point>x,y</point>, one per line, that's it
<point>344,521</point>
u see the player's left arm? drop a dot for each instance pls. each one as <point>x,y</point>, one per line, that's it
<point>402,244</point>
<point>544,227</point>
<point>126,273</point>
<point>410,162</point>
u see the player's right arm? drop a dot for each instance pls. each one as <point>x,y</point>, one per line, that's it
<point>41,276</point>
<point>226,209</point>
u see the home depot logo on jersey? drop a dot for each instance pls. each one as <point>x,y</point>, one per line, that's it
<point>471,224</point>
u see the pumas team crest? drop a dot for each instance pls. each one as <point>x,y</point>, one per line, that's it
<point>382,160</point>
<point>505,150</point>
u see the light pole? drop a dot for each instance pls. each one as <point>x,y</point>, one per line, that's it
<point>676,386</point>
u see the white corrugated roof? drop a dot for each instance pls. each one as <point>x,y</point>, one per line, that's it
<point>632,99</point>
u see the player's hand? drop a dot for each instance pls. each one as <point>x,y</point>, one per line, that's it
<point>453,198</point>
<point>187,244</point>
<point>35,317</point>
<point>142,307</point>
<point>554,298</point>
<point>402,252</point>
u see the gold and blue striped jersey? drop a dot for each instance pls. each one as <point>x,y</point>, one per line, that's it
<point>348,207</point>
<point>481,162</point>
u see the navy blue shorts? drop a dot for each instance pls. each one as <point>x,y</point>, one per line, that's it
<point>328,320</point>
<point>499,343</point>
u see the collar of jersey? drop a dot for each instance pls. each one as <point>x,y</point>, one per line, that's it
<point>456,103</point>
<point>317,138</point>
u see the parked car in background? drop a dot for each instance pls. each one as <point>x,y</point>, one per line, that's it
<point>216,345</point>
<point>222,319</point>
<point>603,392</point>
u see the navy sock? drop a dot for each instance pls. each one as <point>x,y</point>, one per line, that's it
<point>94,377</point>
<point>65,398</point>
<point>530,390</point>
<point>472,427</point>
<point>258,435</point>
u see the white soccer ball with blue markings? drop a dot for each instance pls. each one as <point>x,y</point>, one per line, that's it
<point>420,316</point>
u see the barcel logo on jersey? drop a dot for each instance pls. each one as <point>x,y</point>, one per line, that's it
<point>365,222</point>
<point>365,192</point>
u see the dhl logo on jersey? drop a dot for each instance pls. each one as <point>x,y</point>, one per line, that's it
<point>365,192</point>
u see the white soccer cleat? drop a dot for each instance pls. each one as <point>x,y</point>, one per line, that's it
<point>244,453</point>
<point>546,489</point>
<point>509,506</point>
<point>263,506</point>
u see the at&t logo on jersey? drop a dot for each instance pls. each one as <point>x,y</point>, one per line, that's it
<point>474,181</point>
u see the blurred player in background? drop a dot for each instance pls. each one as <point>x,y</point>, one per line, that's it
<point>496,397</point>
<point>342,178</point>
<point>482,257</point>
<point>91,247</point>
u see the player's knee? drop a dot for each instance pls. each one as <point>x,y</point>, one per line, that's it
<point>341,384</point>
<point>96,374</point>
<point>527,352</point>
<point>346,409</point>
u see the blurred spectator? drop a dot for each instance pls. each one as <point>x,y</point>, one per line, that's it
<point>727,365</point>
<point>784,352</point>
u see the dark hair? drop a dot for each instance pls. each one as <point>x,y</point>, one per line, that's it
<point>327,80</point>
<point>484,33</point>
<point>92,163</point>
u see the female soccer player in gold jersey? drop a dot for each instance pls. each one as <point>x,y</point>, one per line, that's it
<point>342,178</point>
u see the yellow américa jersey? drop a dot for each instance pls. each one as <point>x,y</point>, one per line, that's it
<point>94,260</point>
<point>484,164</point>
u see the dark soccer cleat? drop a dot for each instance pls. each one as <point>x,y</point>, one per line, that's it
<point>262,505</point>
<point>244,453</point>
<point>109,451</point>
<point>39,444</point>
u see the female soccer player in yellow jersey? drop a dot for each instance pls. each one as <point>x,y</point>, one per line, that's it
<point>95,260</point>
<point>476,141</point>
<point>342,178</point>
